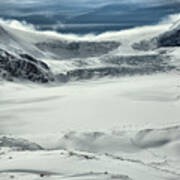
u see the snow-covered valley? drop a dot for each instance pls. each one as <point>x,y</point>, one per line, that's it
<point>94,108</point>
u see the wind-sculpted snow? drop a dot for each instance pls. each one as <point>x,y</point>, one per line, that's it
<point>120,142</point>
<point>152,138</point>
<point>115,142</point>
<point>126,129</point>
<point>106,155</point>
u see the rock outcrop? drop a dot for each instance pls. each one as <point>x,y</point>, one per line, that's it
<point>23,67</point>
<point>117,66</point>
<point>170,38</point>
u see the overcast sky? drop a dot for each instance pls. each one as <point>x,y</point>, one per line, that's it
<point>15,7</point>
<point>88,2</point>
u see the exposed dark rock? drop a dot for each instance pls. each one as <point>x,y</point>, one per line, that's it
<point>146,45</point>
<point>32,59</point>
<point>42,175</point>
<point>12,177</point>
<point>83,156</point>
<point>120,66</point>
<point>83,49</point>
<point>169,39</point>
<point>24,67</point>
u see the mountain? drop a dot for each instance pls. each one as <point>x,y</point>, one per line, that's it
<point>23,67</point>
<point>168,39</point>
<point>22,53</point>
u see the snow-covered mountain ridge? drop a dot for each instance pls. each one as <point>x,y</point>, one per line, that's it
<point>24,55</point>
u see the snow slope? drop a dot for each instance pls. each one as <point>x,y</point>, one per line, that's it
<point>106,130</point>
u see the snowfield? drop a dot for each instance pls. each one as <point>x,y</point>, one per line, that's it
<point>112,114</point>
<point>96,130</point>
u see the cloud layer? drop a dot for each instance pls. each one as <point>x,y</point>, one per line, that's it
<point>50,13</point>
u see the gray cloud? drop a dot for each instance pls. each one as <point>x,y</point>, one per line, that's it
<point>22,3</point>
<point>20,8</point>
<point>82,2</point>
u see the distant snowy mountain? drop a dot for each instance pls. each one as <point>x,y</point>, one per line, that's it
<point>25,54</point>
<point>170,38</point>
